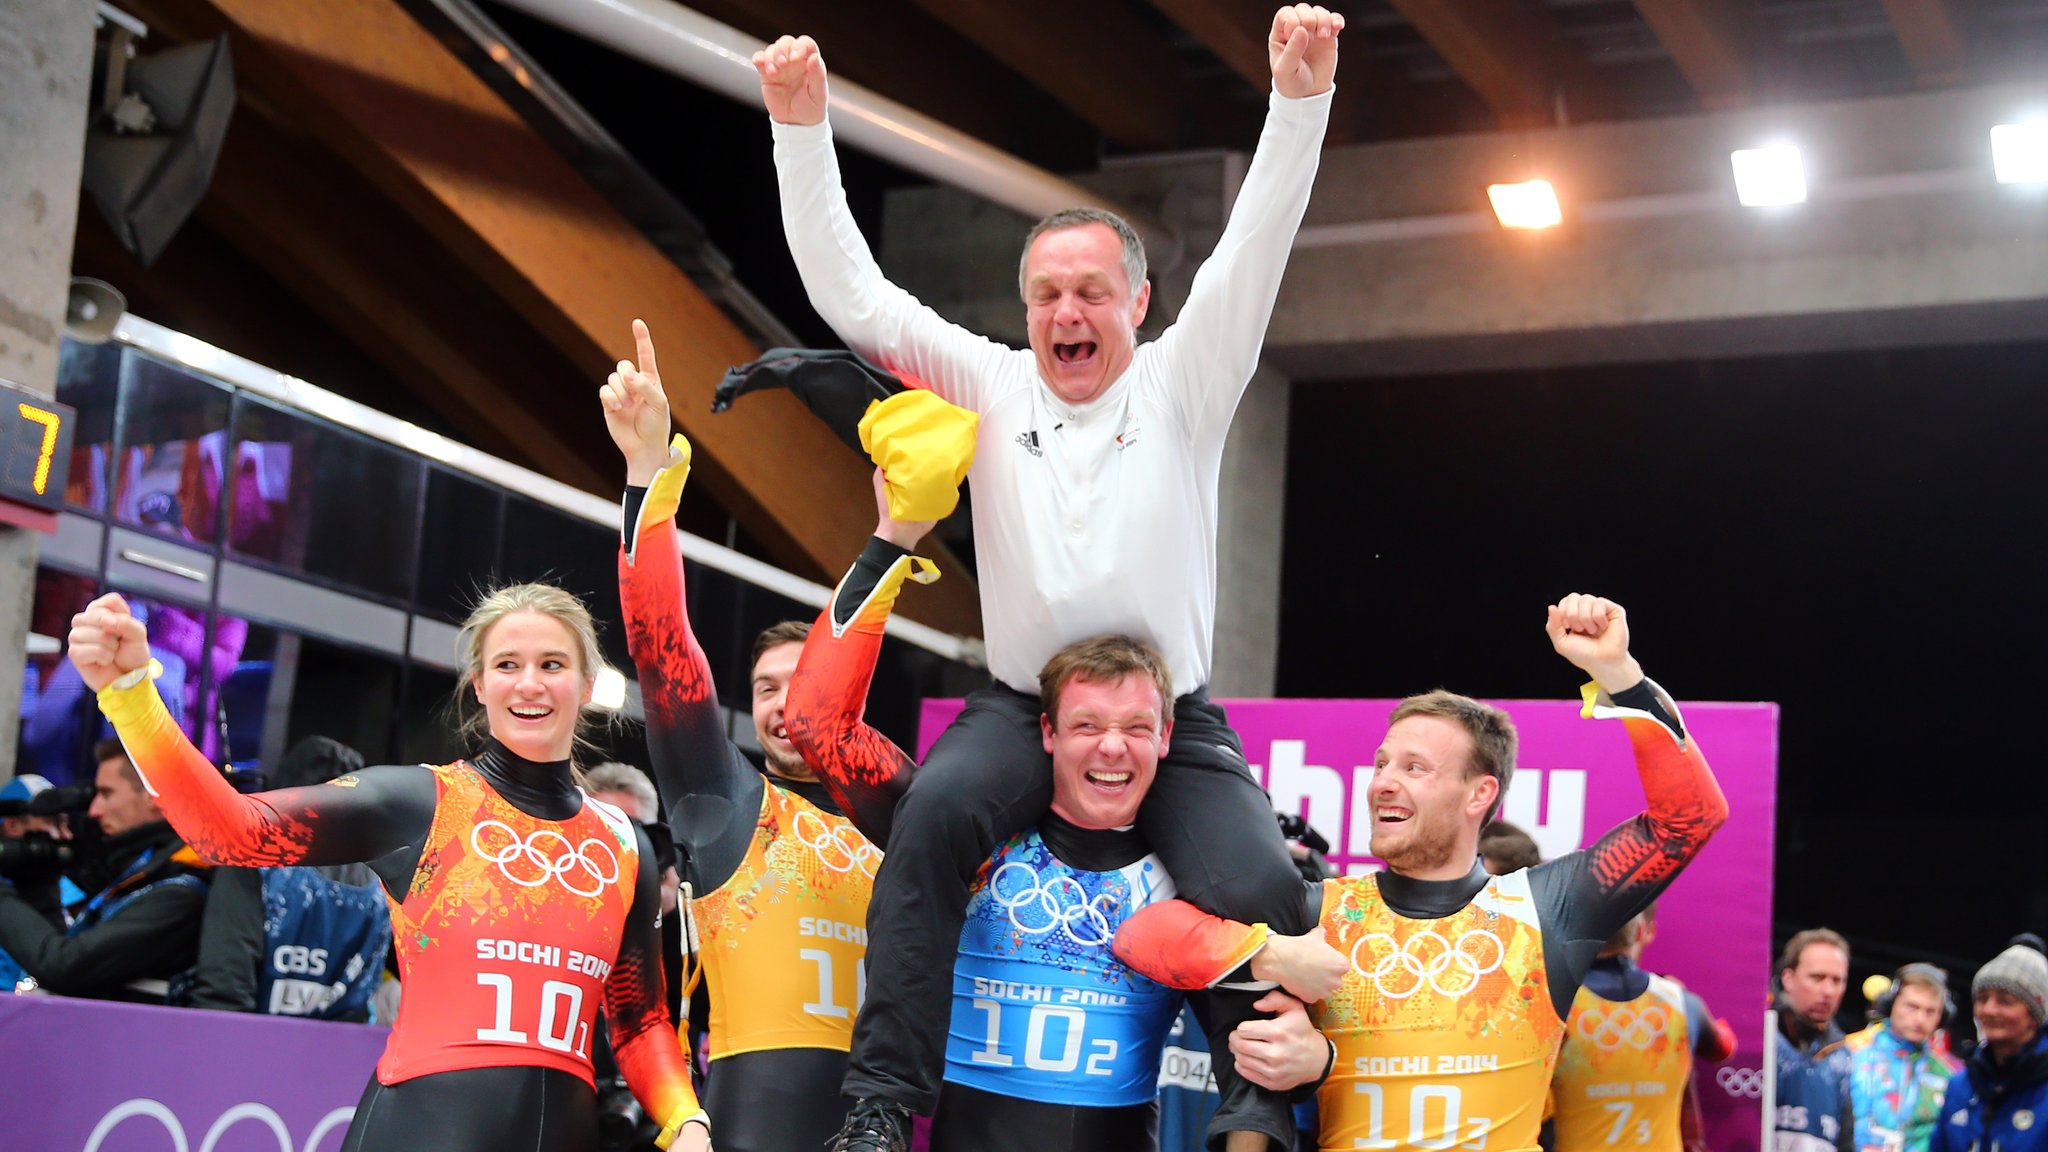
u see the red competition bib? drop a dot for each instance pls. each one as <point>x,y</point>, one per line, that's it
<point>508,933</point>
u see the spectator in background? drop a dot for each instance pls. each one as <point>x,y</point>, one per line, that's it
<point>630,791</point>
<point>1815,1113</point>
<point>1896,1076</point>
<point>1999,1101</point>
<point>140,930</point>
<point>37,880</point>
<point>1505,848</point>
<point>305,940</point>
<point>1626,1066</point>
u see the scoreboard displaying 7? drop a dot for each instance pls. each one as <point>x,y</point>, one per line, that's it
<point>35,453</point>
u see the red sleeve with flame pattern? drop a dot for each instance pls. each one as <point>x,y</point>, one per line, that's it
<point>356,818</point>
<point>1181,946</point>
<point>636,1004</point>
<point>864,770</point>
<point>685,728</point>
<point>1587,895</point>
<point>1685,805</point>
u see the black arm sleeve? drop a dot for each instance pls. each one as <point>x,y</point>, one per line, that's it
<point>160,922</point>
<point>230,942</point>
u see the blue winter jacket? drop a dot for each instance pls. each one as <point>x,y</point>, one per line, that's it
<point>1994,1106</point>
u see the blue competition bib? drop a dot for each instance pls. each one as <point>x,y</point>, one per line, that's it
<point>1042,1009</point>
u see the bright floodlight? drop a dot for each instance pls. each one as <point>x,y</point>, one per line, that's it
<point>2019,152</point>
<point>1769,176</point>
<point>1532,204</point>
<point>608,691</point>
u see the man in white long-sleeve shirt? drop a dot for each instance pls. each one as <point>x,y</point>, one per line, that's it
<point>1094,512</point>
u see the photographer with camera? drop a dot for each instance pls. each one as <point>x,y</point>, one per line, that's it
<point>35,846</point>
<point>139,929</point>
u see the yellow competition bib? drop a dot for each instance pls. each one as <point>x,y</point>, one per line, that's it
<point>784,939</point>
<point>1444,1028</point>
<point>1621,1078</point>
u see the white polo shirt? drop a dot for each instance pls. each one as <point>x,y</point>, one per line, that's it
<point>1089,518</point>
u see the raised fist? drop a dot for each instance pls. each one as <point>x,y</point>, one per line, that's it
<point>107,642</point>
<point>636,411</point>
<point>1303,49</point>
<point>1592,633</point>
<point>792,80</point>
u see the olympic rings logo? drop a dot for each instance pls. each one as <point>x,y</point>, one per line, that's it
<point>175,1128</point>
<point>1747,1082</point>
<point>1061,903</point>
<point>839,847</point>
<point>573,865</point>
<point>1610,1030</point>
<point>1416,964</point>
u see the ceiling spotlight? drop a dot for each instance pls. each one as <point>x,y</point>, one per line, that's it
<point>608,690</point>
<point>1531,204</point>
<point>1769,176</point>
<point>2019,152</point>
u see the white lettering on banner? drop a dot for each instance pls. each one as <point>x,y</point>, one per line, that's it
<point>1549,803</point>
<point>1562,827</point>
<point>144,1108</point>
<point>1311,791</point>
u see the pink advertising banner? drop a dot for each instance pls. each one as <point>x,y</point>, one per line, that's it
<point>1576,779</point>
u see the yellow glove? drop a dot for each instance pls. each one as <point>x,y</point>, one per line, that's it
<point>665,491</point>
<point>925,447</point>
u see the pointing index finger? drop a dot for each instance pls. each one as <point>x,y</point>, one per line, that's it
<point>644,342</point>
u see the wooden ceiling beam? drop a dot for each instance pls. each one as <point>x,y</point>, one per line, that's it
<point>1512,53</point>
<point>1234,31</point>
<point>1098,59</point>
<point>313,226</point>
<point>1932,36</point>
<point>1715,43</point>
<point>368,83</point>
<point>952,79</point>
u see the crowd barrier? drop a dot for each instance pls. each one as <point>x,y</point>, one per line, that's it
<point>87,1076</point>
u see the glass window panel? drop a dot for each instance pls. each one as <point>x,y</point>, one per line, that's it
<point>545,546</point>
<point>286,687</point>
<point>169,436</point>
<point>458,544</point>
<point>426,718</point>
<point>313,498</point>
<point>89,380</point>
<point>60,720</point>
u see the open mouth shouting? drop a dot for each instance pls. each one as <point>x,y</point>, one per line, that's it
<point>1079,354</point>
<point>1387,814</point>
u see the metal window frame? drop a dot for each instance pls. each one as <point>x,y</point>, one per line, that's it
<point>300,395</point>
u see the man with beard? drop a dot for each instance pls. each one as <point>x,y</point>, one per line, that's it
<point>1448,1022</point>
